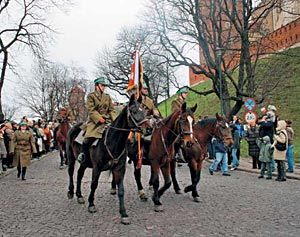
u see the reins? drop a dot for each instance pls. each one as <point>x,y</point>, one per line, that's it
<point>129,116</point>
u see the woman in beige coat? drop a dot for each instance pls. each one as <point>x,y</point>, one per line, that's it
<point>279,156</point>
<point>22,146</point>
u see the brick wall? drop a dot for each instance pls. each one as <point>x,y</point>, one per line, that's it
<point>281,39</point>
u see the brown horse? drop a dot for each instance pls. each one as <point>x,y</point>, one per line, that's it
<point>61,136</point>
<point>195,155</point>
<point>109,153</point>
<point>178,126</point>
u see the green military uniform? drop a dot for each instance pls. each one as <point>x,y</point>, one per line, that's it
<point>22,146</point>
<point>149,107</point>
<point>177,103</point>
<point>99,105</point>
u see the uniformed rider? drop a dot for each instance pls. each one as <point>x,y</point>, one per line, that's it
<point>100,113</point>
<point>181,97</point>
<point>148,103</point>
<point>176,105</point>
<point>65,113</point>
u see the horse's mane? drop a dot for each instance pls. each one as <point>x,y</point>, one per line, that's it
<point>167,119</point>
<point>204,122</point>
<point>120,116</point>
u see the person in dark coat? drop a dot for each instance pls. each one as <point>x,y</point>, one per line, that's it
<point>266,128</point>
<point>251,136</point>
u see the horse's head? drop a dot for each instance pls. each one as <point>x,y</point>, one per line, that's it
<point>223,130</point>
<point>136,115</point>
<point>186,121</point>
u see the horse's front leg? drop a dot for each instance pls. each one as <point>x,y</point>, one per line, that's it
<point>173,176</point>
<point>80,174</point>
<point>94,184</point>
<point>195,172</point>
<point>113,190</point>
<point>71,166</point>
<point>166,174</point>
<point>137,176</point>
<point>61,154</point>
<point>119,177</point>
<point>155,183</point>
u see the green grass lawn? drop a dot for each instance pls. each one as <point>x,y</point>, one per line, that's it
<point>286,96</point>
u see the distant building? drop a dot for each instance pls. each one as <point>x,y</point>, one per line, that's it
<point>77,104</point>
<point>279,31</point>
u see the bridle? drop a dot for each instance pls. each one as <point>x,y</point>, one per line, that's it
<point>219,129</point>
<point>137,128</point>
<point>179,135</point>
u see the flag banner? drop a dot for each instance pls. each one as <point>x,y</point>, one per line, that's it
<point>136,75</point>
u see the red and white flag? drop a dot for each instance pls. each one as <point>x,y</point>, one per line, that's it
<point>136,75</point>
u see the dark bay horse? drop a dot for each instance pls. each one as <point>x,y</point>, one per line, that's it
<point>178,126</point>
<point>195,155</point>
<point>61,136</point>
<point>108,154</point>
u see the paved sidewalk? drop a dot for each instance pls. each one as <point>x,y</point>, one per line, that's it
<point>246,165</point>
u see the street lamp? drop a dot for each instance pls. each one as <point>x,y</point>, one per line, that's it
<point>219,55</point>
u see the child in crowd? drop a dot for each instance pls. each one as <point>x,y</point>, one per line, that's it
<point>265,156</point>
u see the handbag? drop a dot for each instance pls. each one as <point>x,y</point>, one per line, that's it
<point>280,146</point>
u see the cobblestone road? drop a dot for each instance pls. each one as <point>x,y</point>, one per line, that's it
<point>240,205</point>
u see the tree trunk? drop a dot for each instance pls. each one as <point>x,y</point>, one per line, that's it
<point>3,70</point>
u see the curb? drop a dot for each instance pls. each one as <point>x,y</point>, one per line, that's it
<point>288,175</point>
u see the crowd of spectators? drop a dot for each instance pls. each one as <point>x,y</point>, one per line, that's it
<point>43,139</point>
<point>268,129</point>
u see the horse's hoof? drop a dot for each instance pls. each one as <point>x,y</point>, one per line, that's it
<point>70,196</point>
<point>158,208</point>
<point>113,191</point>
<point>61,167</point>
<point>178,191</point>
<point>80,200</point>
<point>125,220</point>
<point>92,209</point>
<point>196,199</point>
<point>143,197</point>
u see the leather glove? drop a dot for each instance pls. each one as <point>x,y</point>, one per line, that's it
<point>102,120</point>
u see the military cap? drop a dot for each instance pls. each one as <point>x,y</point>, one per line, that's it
<point>22,123</point>
<point>145,85</point>
<point>66,103</point>
<point>100,80</point>
<point>182,90</point>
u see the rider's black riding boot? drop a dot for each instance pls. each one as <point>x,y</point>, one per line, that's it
<point>23,172</point>
<point>84,150</point>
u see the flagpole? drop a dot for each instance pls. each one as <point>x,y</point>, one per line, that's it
<point>139,163</point>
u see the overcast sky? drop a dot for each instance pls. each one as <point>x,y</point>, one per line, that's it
<point>89,26</point>
<point>84,30</point>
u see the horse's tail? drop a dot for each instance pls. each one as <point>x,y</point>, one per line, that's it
<point>72,134</point>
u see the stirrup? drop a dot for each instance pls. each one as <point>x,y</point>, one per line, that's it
<point>81,157</point>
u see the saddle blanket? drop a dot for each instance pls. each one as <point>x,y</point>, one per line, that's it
<point>79,139</point>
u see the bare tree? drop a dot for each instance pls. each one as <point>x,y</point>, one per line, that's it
<point>115,63</point>
<point>50,88</point>
<point>223,30</point>
<point>24,25</point>
<point>9,111</point>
